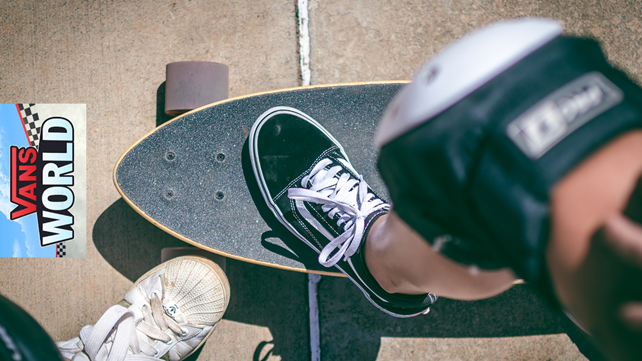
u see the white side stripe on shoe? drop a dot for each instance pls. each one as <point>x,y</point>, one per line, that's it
<point>300,206</point>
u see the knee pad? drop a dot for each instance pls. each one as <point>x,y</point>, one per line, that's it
<point>471,149</point>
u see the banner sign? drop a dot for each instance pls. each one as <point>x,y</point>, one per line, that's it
<point>43,180</point>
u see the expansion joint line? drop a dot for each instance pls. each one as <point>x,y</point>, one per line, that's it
<point>313,280</point>
<point>304,41</point>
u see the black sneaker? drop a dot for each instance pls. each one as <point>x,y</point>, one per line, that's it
<point>309,184</point>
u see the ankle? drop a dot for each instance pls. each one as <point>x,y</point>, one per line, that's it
<point>374,255</point>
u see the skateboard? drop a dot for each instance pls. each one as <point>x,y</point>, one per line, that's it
<point>192,176</point>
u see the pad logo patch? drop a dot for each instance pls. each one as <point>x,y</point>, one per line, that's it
<point>562,112</point>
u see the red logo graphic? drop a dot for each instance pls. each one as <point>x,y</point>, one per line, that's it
<point>23,181</point>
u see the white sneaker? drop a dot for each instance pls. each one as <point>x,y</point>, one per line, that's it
<point>169,313</point>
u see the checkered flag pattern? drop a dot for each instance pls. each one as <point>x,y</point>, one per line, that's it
<point>61,250</point>
<point>32,122</point>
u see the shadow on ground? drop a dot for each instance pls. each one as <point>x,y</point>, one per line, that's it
<point>350,325</point>
<point>261,296</point>
<point>161,117</point>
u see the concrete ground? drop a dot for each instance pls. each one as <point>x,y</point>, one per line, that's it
<point>111,55</point>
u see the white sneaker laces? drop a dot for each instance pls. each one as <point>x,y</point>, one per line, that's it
<point>342,195</point>
<point>115,333</point>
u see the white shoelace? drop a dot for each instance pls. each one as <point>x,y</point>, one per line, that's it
<point>115,333</point>
<point>342,195</point>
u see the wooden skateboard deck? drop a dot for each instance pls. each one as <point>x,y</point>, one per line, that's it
<point>192,176</point>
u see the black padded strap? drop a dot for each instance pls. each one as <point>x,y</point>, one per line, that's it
<point>467,173</point>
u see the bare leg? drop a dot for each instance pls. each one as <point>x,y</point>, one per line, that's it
<point>403,262</point>
<point>583,201</point>
<point>624,237</point>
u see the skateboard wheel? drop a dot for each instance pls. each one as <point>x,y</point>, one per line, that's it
<point>193,84</point>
